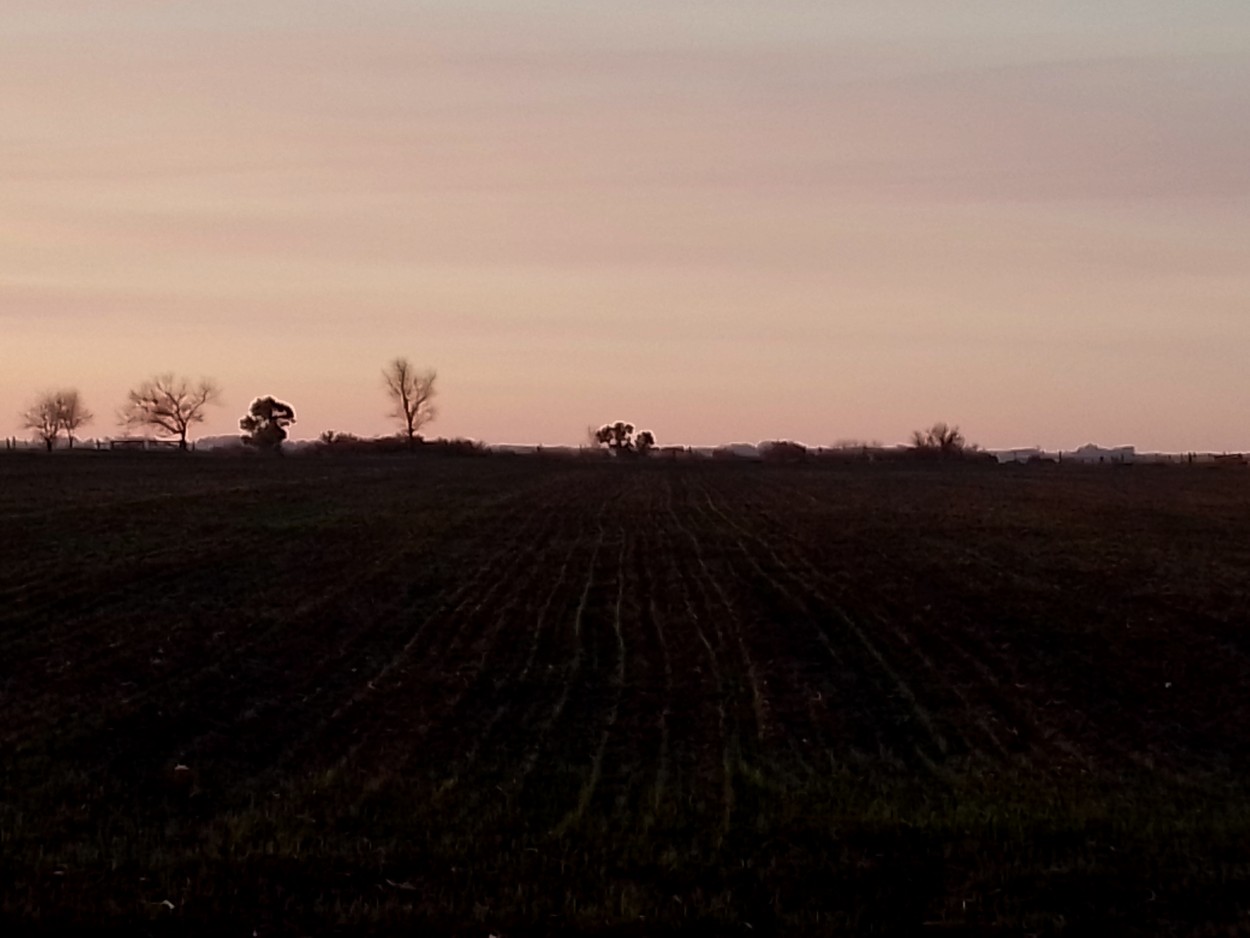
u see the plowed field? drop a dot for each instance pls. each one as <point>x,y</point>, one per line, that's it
<point>511,696</point>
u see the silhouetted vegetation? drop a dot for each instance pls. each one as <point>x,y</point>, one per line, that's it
<point>169,405</point>
<point>264,426</point>
<point>348,444</point>
<point>939,439</point>
<point>74,413</point>
<point>942,441</point>
<point>412,393</point>
<point>54,412</point>
<point>619,439</point>
<point>457,446</point>
<point>782,451</point>
<point>333,439</point>
<point>43,417</point>
<point>334,443</point>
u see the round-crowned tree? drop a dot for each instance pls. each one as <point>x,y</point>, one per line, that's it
<point>620,440</point>
<point>265,423</point>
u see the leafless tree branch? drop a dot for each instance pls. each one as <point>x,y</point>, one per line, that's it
<point>169,405</point>
<point>411,392</point>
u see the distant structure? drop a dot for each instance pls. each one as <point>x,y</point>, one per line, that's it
<point>1089,453</point>
<point>1027,454</point>
<point>142,444</point>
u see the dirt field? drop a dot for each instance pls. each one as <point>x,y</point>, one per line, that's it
<point>519,697</point>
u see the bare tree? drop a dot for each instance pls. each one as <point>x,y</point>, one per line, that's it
<point>411,391</point>
<point>54,411</point>
<point>939,440</point>
<point>44,417</point>
<point>74,413</point>
<point>169,405</point>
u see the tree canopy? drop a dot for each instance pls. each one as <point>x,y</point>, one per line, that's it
<point>620,440</point>
<point>264,425</point>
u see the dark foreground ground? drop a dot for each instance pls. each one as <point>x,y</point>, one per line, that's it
<point>506,697</point>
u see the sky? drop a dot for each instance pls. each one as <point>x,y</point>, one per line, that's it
<point>724,221</point>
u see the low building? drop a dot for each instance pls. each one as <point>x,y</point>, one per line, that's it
<point>1090,453</point>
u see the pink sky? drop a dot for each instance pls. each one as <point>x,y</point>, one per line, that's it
<point>723,221</point>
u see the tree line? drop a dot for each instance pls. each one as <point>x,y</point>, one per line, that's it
<point>169,405</point>
<point>941,441</point>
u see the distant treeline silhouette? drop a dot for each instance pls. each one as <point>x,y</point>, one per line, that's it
<point>336,443</point>
<point>169,405</point>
